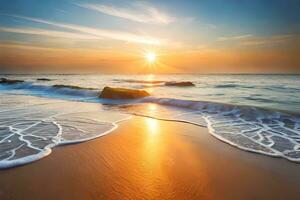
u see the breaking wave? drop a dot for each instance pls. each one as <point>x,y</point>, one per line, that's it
<point>252,129</point>
<point>46,90</point>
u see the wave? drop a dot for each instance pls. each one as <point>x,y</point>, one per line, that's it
<point>226,86</point>
<point>260,99</point>
<point>66,90</point>
<point>30,132</point>
<point>232,85</point>
<point>281,88</point>
<point>72,87</point>
<point>249,128</point>
<point>25,147</point>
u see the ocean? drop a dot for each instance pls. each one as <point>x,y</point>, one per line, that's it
<point>256,113</point>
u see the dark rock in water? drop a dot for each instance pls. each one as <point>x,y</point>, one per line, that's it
<point>43,79</point>
<point>72,87</point>
<point>180,84</point>
<point>140,81</point>
<point>10,81</point>
<point>122,93</point>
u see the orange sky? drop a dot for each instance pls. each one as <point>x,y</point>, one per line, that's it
<point>114,38</point>
<point>168,61</point>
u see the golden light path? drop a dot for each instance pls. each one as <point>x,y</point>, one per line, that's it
<point>152,123</point>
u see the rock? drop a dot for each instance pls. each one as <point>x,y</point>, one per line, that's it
<point>43,79</point>
<point>10,81</point>
<point>180,84</point>
<point>122,93</point>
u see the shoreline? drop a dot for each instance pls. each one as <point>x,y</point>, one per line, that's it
<point>150,159</point>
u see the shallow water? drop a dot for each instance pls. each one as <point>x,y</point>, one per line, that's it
<point>258,113</point>
<point>280,92</point>
<point>30,126</point>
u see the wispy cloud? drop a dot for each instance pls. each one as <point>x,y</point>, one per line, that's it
<point>236,37</point>
<point>49,33</point>
<point>275,39</point>
<point>138,13</point>
<point>252,40</point>
<point>103,33</point>
<point>26,46</point>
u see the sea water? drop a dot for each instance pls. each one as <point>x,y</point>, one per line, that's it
<point>258,113</point>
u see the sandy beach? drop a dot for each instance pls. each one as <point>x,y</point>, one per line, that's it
<point>150,159</point>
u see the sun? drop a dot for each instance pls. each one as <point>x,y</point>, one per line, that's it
<point>150,57</point>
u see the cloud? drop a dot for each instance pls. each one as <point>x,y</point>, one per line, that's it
<point>275,39</point>
<point>237,37</point>
<point>103,33</point>
<point>25,46</point>
<point>138,13</point>
<point>211,26</point>
<point>49,33</point>
<point>251,40</point>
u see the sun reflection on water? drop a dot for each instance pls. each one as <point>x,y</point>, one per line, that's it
<point>149,79</point>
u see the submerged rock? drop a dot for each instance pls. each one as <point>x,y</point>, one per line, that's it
<point>122,93</point>
<point>180,84</point>
<point>10,81</point>
<point>43,79</point>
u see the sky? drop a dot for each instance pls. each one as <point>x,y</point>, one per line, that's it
<point>192,36</point>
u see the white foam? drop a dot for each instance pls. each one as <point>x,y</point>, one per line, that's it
<point>28,134</point>
<point>252,129</point>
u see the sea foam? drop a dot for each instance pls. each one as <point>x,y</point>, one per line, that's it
<point>29,132</point>
<point>249,128</point>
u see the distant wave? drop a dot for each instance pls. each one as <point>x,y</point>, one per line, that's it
<point>260,99</point>
<point>226,86</point>
<point>232,85</point>
<point>269,87</point>
<point>276,87</point>
<point>68,90</point>
<point>74,87</point>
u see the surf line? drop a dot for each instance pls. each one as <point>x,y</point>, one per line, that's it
<point>169,120</point>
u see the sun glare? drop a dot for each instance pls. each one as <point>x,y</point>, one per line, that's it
<point>150,57</point>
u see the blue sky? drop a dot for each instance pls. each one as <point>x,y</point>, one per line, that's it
<point>177,26</point>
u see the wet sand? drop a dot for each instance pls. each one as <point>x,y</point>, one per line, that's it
<point>151,159</point>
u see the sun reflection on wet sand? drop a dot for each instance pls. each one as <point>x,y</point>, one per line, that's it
<point>152,107</point>
<point>152,130</point>
<point>152,125</point>
<point>160,162</point>
<point>152,157</point>
<point>154,149</point>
